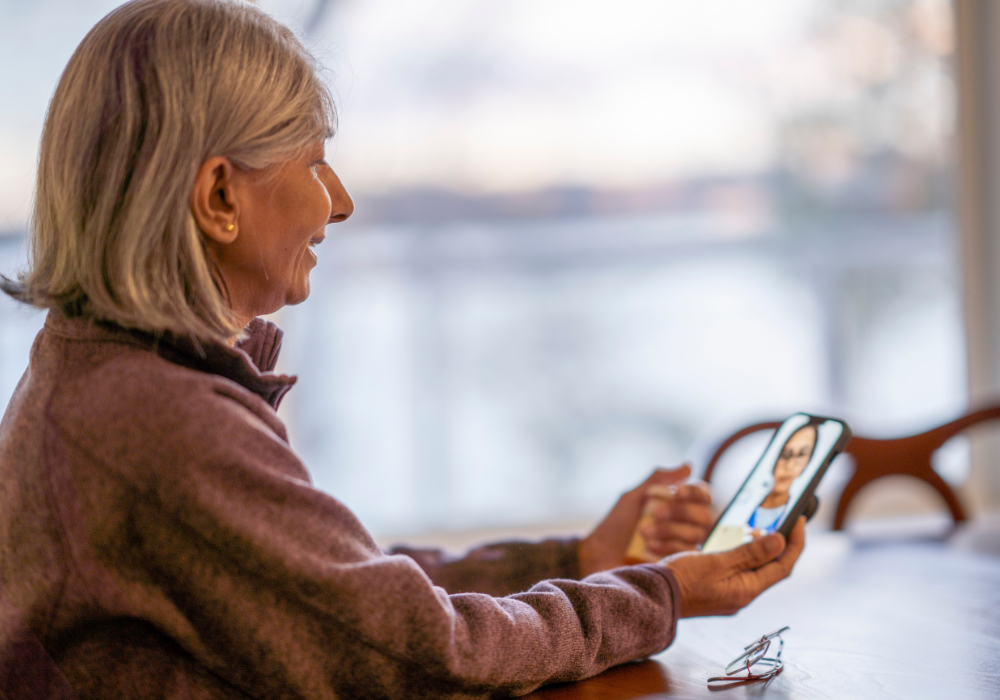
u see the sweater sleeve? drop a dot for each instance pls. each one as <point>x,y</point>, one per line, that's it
<point>276,587</point>
<point>498,569</point>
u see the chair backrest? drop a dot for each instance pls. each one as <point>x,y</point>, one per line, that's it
<point>873,459</point>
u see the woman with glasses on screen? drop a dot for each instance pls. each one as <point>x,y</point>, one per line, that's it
<point>791,462</point>
<point>159,538</point>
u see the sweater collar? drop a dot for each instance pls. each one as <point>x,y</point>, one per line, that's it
<point>250,364</point>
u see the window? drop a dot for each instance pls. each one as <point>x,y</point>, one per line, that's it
<point>592,238</point>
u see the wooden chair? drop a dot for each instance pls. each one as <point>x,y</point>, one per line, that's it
<point>873,459</point>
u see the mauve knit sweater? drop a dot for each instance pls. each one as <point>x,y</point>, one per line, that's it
<point>160,539</point>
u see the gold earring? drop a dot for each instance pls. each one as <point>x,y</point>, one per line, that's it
<point>230,227</point>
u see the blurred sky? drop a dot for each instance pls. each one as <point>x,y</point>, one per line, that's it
<point>514,95</point>
<point>523,94</point>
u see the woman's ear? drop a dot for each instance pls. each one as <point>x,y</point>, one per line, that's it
<point>213,200</point>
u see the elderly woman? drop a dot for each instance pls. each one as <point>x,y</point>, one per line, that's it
<point>158,536</point>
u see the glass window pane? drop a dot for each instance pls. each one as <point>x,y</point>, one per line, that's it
<point>591,238</point>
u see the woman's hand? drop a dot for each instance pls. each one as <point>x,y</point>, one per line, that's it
<point>680,525</point>
<point>723,583</point>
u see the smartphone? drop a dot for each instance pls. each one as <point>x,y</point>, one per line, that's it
<point>782,486</point>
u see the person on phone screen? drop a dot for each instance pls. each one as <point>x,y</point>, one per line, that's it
<point>792,460</point>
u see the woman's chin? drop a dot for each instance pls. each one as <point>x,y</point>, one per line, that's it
<point>299,293</point>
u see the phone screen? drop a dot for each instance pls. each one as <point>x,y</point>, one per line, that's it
<point>800,451</point>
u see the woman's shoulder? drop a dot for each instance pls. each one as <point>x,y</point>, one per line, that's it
<point>118,392</point>
<point>118,368</point>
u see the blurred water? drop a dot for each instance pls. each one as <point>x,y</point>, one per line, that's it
<point>478,375</point>
<point>482,375</point>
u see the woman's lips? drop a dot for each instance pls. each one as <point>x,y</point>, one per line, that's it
<point>313,242</point>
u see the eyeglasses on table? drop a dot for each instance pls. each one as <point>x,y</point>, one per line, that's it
<point>754,664</point>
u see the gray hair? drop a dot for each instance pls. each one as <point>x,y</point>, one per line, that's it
<point>156,88</point>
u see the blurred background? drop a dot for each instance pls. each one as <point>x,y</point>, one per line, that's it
<point>591,240</point>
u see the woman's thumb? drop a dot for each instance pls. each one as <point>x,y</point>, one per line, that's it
<point>663,476</point>
<point>754,555</point>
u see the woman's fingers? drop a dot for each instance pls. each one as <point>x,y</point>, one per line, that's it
<point>755,554</point>
<point>772,572</point>
<point>634,499</point>
<point>697,492</point>
<point>670,538</point>
<point>662,476</point>
<point>721,584</point>
<point>605,547</point>
<point>687,512</point>
<point>770,560</point>
<point>680,523</point>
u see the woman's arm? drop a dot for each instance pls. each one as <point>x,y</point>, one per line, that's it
<point>498,569</point>
<point>501,569</point>
<point>198,546</point>
<point>278,586</point>
<point>211,536</point>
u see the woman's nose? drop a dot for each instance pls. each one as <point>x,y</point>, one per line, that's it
<point>341,204</point>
